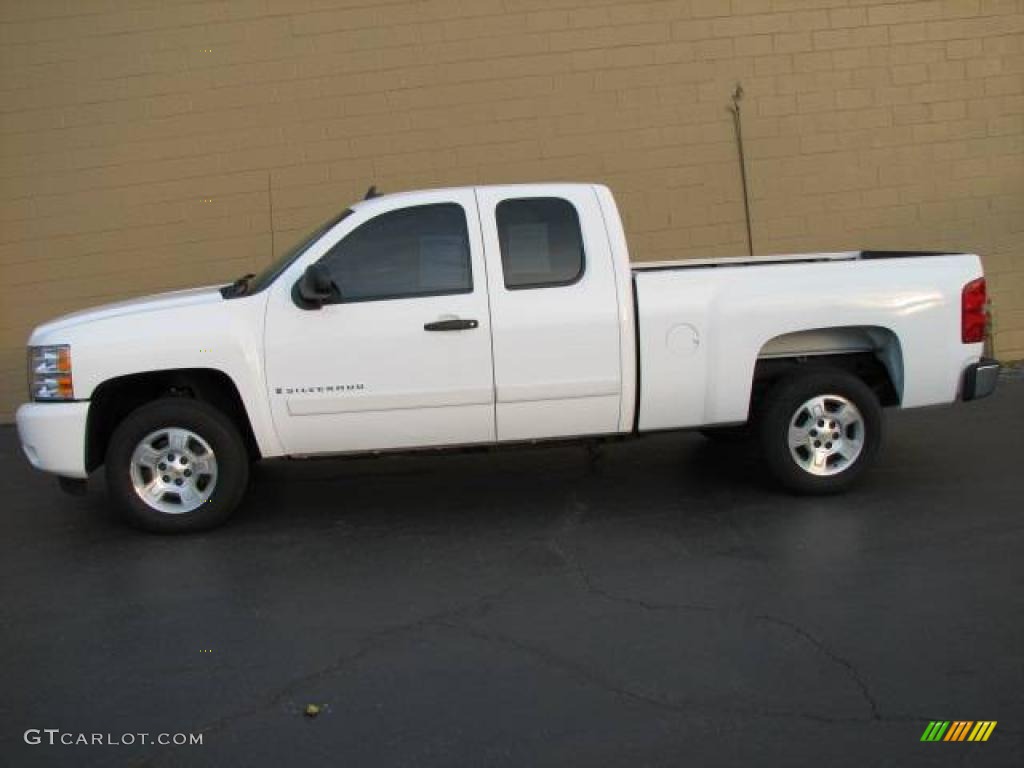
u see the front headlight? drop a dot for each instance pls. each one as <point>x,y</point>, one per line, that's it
<point>49,373</point>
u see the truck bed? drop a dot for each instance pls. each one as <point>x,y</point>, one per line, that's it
<point>701,328</point>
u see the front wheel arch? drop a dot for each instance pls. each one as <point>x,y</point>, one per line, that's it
<point>115,398</point>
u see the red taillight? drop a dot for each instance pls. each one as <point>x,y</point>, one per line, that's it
<point>973,314</point>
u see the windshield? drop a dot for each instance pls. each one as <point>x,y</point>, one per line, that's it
<point>271,273</point>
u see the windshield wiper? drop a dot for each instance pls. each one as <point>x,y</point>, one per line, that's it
<point>239,287</point>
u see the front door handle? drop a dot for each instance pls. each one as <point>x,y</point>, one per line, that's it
<point>454,324</point>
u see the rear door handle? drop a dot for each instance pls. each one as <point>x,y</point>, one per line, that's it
<point>454,324</point>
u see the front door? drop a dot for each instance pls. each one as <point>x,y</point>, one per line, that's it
<point>402,357</point>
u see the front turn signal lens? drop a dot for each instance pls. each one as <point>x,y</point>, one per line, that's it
<point>64,359</point>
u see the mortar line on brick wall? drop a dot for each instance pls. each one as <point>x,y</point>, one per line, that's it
<point>947,18</point>
<point>258,106</point>
<point>372,71</point>
<point>136,164</point>
<point>246,19</point>
<point>397,135</point>
<point>390,52</point>
<point>134,249</point>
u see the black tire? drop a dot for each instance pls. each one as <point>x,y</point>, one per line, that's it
<point>204,420</point>
<point>780,409</point>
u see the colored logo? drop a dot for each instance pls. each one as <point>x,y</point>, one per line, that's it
<point>958,730</point>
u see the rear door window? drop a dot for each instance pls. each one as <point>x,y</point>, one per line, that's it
<point>541,242</point>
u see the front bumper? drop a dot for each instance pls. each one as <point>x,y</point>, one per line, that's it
<point>53,436</point>
<point>980,379</point>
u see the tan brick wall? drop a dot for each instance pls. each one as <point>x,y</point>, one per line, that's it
<point>136,136</point>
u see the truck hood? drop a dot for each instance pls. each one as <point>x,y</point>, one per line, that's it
<point>170,300</point>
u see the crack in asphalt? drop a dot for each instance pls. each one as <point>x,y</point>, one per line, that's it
<point>585,674</point>
<point>563,541</point>
<point>368,644</point>
<point>570,521</point>
<point>575,511</point>
<point>835,658</point>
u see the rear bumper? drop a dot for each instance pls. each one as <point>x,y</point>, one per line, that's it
<point>980,379</point>
<point>53,436</point>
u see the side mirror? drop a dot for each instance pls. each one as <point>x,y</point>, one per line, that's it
<point>315,287</point>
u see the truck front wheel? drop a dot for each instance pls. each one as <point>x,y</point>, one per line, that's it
<point>177,465</point>
<point>820,429</point>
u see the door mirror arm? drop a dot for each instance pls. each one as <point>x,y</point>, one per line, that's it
<point>315,288</point>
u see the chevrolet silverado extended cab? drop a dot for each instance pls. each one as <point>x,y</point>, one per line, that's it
<point>492,315</point>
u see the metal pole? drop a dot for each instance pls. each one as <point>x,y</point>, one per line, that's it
<point>737,94</point>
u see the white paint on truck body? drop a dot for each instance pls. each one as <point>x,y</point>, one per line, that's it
<point>556,361</point>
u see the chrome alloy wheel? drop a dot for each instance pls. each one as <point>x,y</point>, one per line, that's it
<point>826,435</point>
<point>173,470</point>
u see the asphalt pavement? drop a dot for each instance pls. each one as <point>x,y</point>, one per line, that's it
<point>657,602</point>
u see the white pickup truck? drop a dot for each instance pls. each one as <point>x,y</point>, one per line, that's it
<point>493,315</point>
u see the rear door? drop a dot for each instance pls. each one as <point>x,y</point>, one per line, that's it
<point>554,312</point>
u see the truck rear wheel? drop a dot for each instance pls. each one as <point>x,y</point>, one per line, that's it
<point>820,429</point>
<point>177,465</point>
